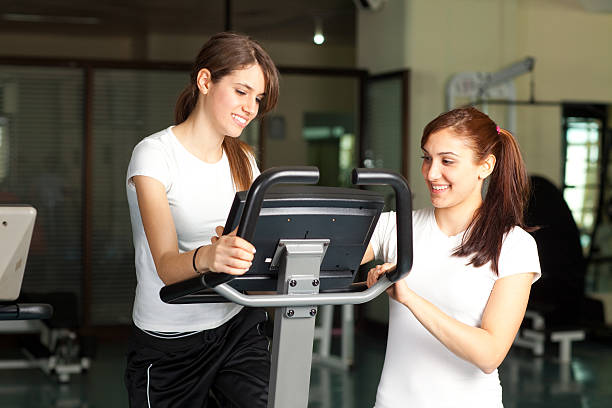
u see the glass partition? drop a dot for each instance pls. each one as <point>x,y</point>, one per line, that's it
<point>128,105</point>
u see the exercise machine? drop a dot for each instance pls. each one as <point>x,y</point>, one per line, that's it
<point>310,241</point>
<point>559,311</point>
<point>56,350</point>
<point>16,226</point>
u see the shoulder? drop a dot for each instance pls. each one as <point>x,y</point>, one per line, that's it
<point>519,237</point>
<point>419,217</point>
<point>519,254</point>
<point>157,142</point>
<point>386,220</point>
<point>422,214</point>
<point>151,157</point>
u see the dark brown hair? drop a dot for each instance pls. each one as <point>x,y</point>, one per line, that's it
<point>221,54</point>
<point>508,190</point>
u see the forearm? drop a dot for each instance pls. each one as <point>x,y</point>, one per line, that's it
<point>227,253</point>
<point>473,344</point>
<point>174,267</point>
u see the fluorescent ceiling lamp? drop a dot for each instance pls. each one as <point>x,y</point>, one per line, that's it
<point>37,18</point>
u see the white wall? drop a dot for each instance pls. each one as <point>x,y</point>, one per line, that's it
<point>383,38</point>
<point>573,49</point>
<point>300,94</point>
<point>570,45</point>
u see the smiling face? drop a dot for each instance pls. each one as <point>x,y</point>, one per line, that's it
<point>451,173</point>
<point>232,102</point>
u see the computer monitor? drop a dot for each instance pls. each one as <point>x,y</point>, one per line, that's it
<point>16,226</point>
<point>345,216</point>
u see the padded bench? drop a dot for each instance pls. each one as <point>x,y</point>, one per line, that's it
<point>535,336</point>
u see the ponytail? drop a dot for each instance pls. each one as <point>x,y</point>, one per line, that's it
<point>185,103</point>
<point>239,155</point>
<point>508,190</point>
<point>503,207</point>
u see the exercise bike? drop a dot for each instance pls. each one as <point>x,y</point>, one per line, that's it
<point>310,241</point>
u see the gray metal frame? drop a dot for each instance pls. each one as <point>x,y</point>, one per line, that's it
<point>294,318</point>
<point>299,263</point>
<point>294,326</point>
<point>303,300</point>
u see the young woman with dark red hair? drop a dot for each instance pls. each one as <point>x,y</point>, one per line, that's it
<point>454,317</point>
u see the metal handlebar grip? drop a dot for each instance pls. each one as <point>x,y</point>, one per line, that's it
<point>252,206</point>
<point>403,205</point>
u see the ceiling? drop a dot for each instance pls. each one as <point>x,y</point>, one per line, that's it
<point>278,20</point>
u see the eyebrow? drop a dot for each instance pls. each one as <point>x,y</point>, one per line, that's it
<point>442,153</point>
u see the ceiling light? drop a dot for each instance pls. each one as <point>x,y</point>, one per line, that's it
<point>318,37</point>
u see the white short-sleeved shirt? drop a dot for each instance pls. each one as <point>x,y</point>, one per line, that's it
<point>418,370</point>
<point>200,195</point>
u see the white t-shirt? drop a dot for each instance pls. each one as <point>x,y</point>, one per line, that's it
<point>419,371</point>
<point>200,195</point>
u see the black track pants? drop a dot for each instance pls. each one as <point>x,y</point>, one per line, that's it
<point>232,361</point>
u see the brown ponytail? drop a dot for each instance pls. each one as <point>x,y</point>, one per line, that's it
<point>221,54</point>
<point>238,154</point>
<point>508,190</point>
<point>185,103</point>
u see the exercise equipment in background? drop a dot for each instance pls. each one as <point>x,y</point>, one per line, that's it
<point>48,340</point>
<point>559,310</point>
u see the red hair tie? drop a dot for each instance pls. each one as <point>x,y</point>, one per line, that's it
<point>497,128</point>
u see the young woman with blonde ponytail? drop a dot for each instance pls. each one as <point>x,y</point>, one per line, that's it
<point>454,317</point>
<point>180,185</point>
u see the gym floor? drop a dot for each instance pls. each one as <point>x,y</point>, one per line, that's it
<point>527,381</point>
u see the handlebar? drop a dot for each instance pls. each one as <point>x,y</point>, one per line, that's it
<point>252,206</point>
<point>25,311</point>
<point>182,293</point>
<point>403,205</point>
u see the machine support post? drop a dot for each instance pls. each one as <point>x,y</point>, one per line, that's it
<point>299,263</point>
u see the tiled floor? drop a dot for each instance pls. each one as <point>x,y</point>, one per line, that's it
<point>527,381</point>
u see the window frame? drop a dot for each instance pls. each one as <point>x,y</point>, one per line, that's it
<point>586,111</point>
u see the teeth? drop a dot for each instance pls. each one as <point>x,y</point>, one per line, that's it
<point>439,187</point>
<point>239,119</point>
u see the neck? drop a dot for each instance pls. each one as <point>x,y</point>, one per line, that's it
<point>198,137</point>
<point>454,220</point>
